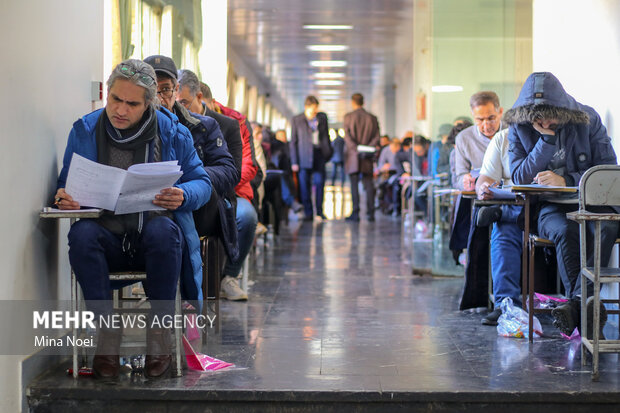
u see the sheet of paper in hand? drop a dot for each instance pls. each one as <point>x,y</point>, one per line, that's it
<point>92,184</point>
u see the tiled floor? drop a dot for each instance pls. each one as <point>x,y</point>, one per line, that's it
<point>336,314</point>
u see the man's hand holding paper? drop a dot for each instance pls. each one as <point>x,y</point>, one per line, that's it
<point>143,187</point>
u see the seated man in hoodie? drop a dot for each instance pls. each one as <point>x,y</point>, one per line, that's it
<point>553,140</point>
<point>164,243</point>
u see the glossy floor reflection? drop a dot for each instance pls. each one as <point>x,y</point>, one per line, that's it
<point>334,308</point>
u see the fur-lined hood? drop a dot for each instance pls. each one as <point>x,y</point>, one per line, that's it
<point>542,96</point>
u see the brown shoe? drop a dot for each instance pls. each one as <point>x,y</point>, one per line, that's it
<point>158,349</point>
<point>106,363</point>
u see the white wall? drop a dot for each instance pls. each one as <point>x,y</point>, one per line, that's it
<point>51,51</point>
<point>405,99</point>
<point>579,42</point>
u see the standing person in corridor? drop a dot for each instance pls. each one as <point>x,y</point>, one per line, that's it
<point>310,151</point>
<point>360,128</point>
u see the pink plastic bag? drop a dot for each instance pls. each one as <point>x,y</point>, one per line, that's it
<point>202,362</point>
<point>191,329</point>
<point>574,335</point>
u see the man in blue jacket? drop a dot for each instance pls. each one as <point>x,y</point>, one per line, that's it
<point>553,140</point>
<point>164,243</point>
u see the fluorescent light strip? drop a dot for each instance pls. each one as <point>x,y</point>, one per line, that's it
<point>329,92</point>
<point>328,27</point>
<point>329,75</point>
<point>327,47</point>
<point>328,63</point>
<point>447,89</point>
<point>329,82</point>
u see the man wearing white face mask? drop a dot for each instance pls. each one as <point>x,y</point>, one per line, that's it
<point>310,150</point>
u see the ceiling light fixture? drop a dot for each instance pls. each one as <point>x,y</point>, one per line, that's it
<point>329,92</point>
<point>329,82</point>
<point>329,75</point>
<point>328,63</point>
<point>328,27</point>
<point>447,88</point>
<point>327,47</point>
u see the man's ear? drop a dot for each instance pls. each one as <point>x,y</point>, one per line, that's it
<point>199,95</point>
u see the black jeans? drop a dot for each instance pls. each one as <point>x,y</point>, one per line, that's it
<point>553,225</point>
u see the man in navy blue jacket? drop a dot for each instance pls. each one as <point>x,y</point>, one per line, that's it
<point>209,142</point>
<point>553,140</point>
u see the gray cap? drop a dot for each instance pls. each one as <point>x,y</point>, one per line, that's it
<point>162,64</point>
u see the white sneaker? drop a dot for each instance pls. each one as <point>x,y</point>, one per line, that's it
<point>229,289</point>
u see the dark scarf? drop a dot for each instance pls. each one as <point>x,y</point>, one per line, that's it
<point>139,140</point>
<point>131,139</point>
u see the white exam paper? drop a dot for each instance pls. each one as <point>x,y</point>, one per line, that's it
<point>143,183</point>
<point>92,184</point>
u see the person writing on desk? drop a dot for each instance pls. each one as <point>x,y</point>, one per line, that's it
<point>506,237</point>
<point>164,243</point>
<point>553,140</point>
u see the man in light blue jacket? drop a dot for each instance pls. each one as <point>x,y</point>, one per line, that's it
<point>164,243</point>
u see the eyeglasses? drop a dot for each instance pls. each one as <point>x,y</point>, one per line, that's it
<point>186,103</point>
<point>165,92</point>
<point>129,72</point>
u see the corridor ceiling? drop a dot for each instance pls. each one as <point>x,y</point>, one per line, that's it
<point>269,36</point>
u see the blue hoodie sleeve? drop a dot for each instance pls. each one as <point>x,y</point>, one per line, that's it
<point>524,164</point>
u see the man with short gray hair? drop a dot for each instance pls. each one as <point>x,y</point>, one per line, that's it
<point>163,243</point>
<point>471,143</point>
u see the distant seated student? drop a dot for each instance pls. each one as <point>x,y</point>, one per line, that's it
<point>436,147</point>
<point>386,168</point>
<point>420,168</point>
<point>127,131</point>
<point>445,163</point>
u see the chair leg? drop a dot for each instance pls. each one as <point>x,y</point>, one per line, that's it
<point>597,297</point>
<point>245,274</point>
<point>584,320</point>
<point>491,297</point>
<point>76,308</point>
<point>178,369</point>
<point>530,289</point>
<point>213,266</point>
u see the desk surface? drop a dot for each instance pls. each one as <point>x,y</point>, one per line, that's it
<point>48,212</point>
<point>534,188</point>
<point>592,216</point>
